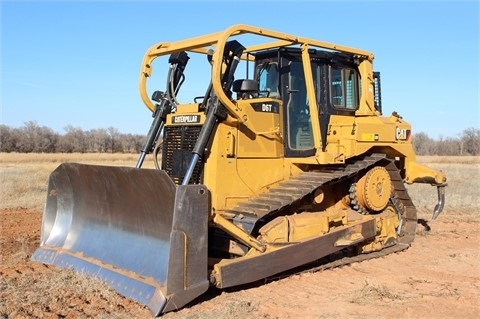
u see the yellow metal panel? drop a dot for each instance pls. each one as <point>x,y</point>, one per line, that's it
<point>232,178</point>
<point>374,129</point>
<point>260,135</point>
<point>367,104</point>
<point>312,101</point>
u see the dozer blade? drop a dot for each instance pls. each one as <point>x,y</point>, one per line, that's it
<point>132,228</point>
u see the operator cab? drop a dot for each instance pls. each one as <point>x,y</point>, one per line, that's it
<point>336,81</point>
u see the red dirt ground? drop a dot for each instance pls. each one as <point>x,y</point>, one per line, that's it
<point>437,277</point>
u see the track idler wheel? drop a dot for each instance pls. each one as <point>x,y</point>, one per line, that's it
<point>373,190</point>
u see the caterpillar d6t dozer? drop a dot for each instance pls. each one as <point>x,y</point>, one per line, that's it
<point>279,158</point>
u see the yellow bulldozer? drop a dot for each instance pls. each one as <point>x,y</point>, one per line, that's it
<point>275,155</point>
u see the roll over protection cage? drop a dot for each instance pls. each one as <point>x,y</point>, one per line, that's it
<point>218,41</point>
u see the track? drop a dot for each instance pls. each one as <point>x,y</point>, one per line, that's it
<point>404,204</point>
<point>289,196</point>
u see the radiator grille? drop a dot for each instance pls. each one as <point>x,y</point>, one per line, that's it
<point>178,143</point>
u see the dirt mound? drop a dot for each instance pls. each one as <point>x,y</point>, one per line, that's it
<point>438,277</point>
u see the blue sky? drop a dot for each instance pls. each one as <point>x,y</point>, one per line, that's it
<point>77,63</point>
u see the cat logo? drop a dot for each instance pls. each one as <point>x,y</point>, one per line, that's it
<point>401,133</point>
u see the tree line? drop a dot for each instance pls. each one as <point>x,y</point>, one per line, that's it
<point>33,138</point>
<point>467,143</point>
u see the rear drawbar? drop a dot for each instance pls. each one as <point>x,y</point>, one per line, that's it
<point>132,228</point>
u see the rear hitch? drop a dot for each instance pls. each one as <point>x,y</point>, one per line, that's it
<point>441,201</point>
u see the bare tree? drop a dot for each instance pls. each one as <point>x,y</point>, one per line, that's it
<point>470,140</point>
<point>423,144</point>
<point>7,139</point>
<point>447,146</point>
<point>74,140</point>
<point>114,140</point>
<point>35,138</point>
<point>132,143</point>
<point>47,141</point>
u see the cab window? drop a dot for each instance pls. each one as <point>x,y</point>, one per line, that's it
<point>267,77</point>
<point>300,135</point>
<point>344,88</point>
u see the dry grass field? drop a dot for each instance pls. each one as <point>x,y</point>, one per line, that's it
<point>463,190</point>
<point>24,177</point>
<point>438,277</point>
